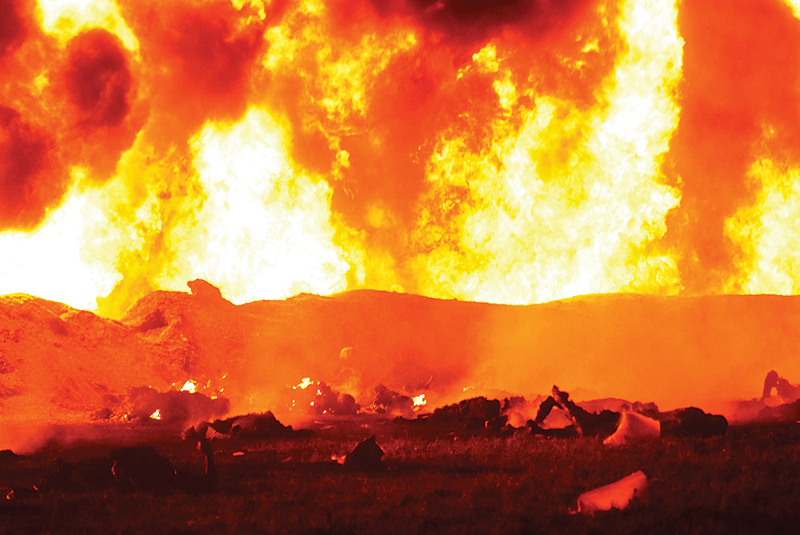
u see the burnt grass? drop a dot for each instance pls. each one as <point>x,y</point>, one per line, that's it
<point>747,481</point>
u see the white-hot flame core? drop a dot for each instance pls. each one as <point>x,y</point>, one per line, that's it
<point>263,230</point>
<point>420,401</point>
<point>156,415</point>
<point>769,230</point>
<point>795,5</point>
<point>66,18</point>
<point>305,383</point>
<point>189,386</point>
<point>55,260</point>
<point>535,239</point>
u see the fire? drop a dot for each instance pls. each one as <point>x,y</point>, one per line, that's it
<point>60,241</point>
<point>533,233</point>
<point>305,383</point>
<point>419,401</point>
<point>189,386</point>
<point>66,18</point>
<point>768,231</point>
<point>513,154</point>
<point>156,415</point>
<point>263,230</point>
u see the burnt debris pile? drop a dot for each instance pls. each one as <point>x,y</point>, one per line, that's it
<point>255,426</point>
<point>477,415</point>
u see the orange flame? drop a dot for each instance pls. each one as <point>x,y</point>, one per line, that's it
<point>514,154</point>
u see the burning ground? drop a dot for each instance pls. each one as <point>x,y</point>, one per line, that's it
<point>79,389</point>
<point>370,349</point>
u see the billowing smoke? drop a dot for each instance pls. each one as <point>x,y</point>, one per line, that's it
<point>12,27</point>
<point>740,79</point>
<point>30,175</point>
<point>98,79</point>
<point>475,21</point>
<point>197,61</point>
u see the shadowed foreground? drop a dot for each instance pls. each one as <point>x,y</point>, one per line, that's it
<point>742,482</point>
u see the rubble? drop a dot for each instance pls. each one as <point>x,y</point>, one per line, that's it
<point>256,426</point>
<point>179,408</point>
<point>471,416</point>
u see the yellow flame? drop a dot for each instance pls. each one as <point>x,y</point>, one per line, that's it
<point>189,386</point>
<point>566,204</point>
<point>563,201</point>
<point>156,415</point>
<point>263,230</point>
<point>66,18</point>
<point>768,231</point>
<point>420,401</point>
<point>795,5</point>
<point>305,383</point>
<point>56,260</point>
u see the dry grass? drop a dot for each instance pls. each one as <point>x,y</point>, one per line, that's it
<point>744,482</point>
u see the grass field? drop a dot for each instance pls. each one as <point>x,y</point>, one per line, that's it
<point>747,481</point>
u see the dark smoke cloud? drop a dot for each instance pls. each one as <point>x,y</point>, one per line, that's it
<point>12,27</point>
<point>30,180</point>
<point>98,79</point>
<point>740,72</point>
<point>474,20</point>
<point>198,58</point>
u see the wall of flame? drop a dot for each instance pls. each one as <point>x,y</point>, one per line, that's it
<point>513,151</point>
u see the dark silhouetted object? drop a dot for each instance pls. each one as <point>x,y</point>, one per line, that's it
<point>142,469</point>
<point>584,423</point>
<point>783,388</point>
<point>365,456</point>
<point>693,422</point>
